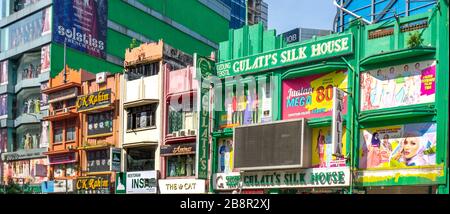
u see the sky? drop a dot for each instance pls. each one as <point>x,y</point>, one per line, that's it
<point>285,15</point>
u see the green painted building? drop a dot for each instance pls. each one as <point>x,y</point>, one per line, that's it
<point>33,36</point>
<point>393,81</point>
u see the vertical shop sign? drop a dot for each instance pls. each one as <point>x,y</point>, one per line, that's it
<point>338,106</point>
<point>204,68</point>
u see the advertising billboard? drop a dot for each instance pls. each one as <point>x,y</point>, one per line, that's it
<point>141,182</point>
<point>312,96</point>
<point>82,25</point>
<point>406,84</point>
<point>322,148</point>
<point>398,146</point>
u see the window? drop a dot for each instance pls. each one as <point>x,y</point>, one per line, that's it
<point>26,30</point>
<point>143,70</point>
<point>140,159</point>
<point>58,105</point>
<point>3,104</point>
<point>98,160</point>
<point>70,132</point>
<point>71,102</point>
<point>4,72</point>
<point>58,132</point>
<point>181,165</point>
<point>141,117</point>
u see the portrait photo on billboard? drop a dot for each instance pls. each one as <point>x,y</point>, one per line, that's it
<point>400,85</point>
<point>82,25</point>
<point>398,146</point>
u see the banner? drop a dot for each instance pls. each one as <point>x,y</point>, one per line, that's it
<point>337,120</point>
<point>312,96</point>
<point>400,85</point>
<point>45,58</point>
<point>82,25</point>
<point>322,48</point>
<point>313,177</point>
<point>398,146</point>
<point>322,148</point>
<point>204,68</point>
<point>141,182</point>
<point>182,186</point>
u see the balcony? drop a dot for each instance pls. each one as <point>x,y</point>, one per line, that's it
<point>388,41</point>
<point>145,88</point>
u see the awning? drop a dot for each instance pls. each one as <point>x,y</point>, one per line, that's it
<point>139,102</point>
<point>61,116</point>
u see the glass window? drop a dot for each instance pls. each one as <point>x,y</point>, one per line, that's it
<point>181,165</point>
<point>143,70</point>
<point>58,132</point>
<point>70,131</point>
<point>26,30</point>
<point>140,159</point>
<point>3,140</point>
<point>28,137</point>
<point>71,102</point>
<point>71,170</point>
<point>58,170</point>
<point>3,72</point>
<point>142,116</point>
<point>98,160</point>
<point>3,104</point>
<point>100,123</point>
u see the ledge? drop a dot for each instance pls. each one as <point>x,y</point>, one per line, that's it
<point>61,87</point>
<point>396,55</point>
<point>140,102</point>
<point>323,67</point>
<point>396,113</point>
<point>61,116</point>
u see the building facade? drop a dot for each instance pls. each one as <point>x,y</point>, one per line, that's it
<point>238,9</point>
<point>378,11</point>
<point>31,30</point>
<point>303,34</point>
<point>392,135</point>
<point>257,12</point>
<point>65,128</point>
<point>144,106</point>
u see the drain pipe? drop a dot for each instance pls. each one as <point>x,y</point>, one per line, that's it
<point>351,13</point>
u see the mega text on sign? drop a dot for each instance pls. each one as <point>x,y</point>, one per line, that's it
<point>323,48</point>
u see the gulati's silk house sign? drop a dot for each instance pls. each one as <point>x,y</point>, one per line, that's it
<point>315,50</point>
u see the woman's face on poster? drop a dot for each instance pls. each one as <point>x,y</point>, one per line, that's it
<point>410,147</point>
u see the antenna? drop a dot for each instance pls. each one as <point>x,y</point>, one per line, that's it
<point>65,72</point>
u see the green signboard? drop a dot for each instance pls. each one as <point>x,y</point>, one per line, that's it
<point>121,185</point>
<point>315,50</point>
<point>204,68</point>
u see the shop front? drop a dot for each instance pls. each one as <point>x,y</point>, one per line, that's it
<point>182,186</point>
<point>266,91</point>
<point>402,132</point>
<point>25,167</point>
<point>100,184</point>
<point>98,106</point>
<point>180,159</point>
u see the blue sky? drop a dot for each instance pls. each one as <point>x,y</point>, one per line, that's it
<point>285,15</point>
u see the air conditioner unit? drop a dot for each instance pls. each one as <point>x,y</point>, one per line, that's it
<point>182,132</point>
<point>70,147</point>
<point>100,77</point>
<point>174,134</point>
<point>192,132</point>
<point>66,110</point>
<point>53,113</point>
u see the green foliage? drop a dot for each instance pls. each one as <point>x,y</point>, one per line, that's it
<point>134,43</point>
<point>414,40</point>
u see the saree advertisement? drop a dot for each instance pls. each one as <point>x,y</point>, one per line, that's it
<point>398,146</point>
<point>322,148</point>
<point>312,96</point>
<point>401,85</point>
<point>82,25</point>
